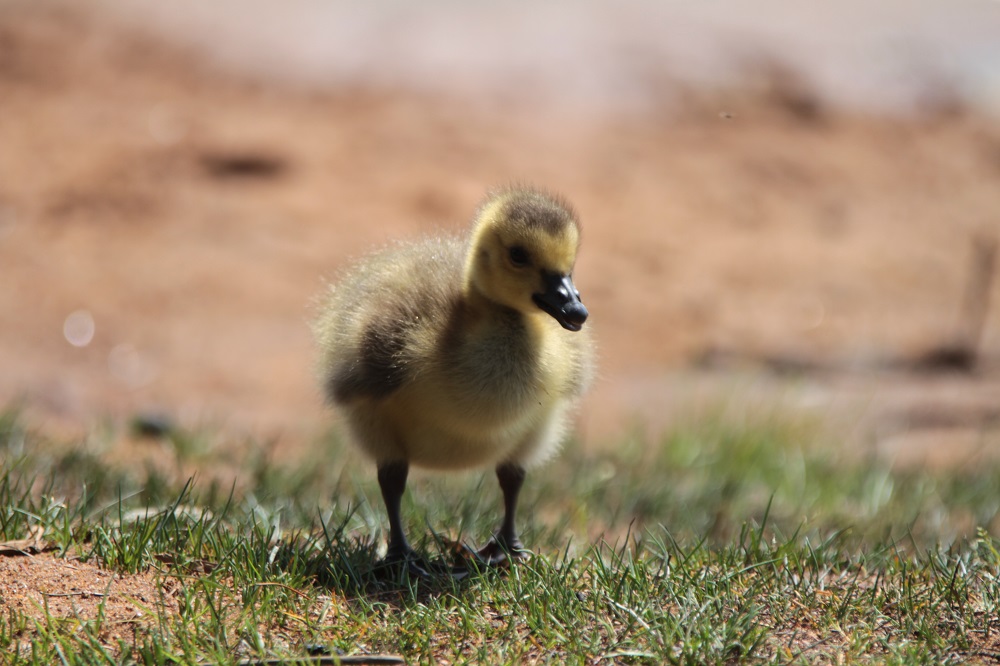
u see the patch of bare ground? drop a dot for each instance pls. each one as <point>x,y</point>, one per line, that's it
<point>190,217</point>
<point>63,588</point>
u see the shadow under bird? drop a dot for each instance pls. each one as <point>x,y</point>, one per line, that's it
<point>451,353</point>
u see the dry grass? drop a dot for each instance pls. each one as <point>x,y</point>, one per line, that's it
<point>720,544</point>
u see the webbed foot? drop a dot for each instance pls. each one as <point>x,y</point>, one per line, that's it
<point>497,553</point>
<point>418,568</point>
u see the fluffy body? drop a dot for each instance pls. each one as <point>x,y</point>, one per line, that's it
<point>436,354</point>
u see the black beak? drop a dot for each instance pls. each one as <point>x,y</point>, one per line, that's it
<point>561,300</point>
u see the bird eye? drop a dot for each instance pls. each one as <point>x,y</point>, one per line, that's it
<point>519,256</point>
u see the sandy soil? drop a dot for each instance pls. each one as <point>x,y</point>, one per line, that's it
<point>68,588</point>
<point>175,222</point>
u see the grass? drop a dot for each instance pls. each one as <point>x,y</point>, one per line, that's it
<point>728,540</point>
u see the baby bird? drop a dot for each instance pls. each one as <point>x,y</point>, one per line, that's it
<point>452,353</point>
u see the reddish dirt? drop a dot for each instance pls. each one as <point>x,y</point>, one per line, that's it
<point>76,591</point>
<point>194,215</point>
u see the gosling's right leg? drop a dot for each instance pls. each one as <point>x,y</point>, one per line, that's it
<point>392,481</point>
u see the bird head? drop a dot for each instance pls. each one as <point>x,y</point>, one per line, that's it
<point>523,249</point>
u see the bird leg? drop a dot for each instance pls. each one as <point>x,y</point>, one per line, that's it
<point>505,544</point>
<point>392,481</point>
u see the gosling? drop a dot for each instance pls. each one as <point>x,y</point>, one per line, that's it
<point>452,353</point>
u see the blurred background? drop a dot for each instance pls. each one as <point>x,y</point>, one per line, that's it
<point>785,205</point>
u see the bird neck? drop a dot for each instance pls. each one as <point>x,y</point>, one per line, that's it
<point>481,306</point>
<point>478,309</point>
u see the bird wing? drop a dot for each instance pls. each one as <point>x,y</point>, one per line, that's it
<point>378,367</point>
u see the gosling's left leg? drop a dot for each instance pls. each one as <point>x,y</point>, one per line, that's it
<point>505,544</point>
